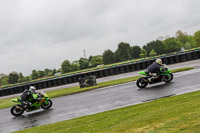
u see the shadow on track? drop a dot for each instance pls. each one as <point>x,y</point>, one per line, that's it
<point>34,113</point>
<point>31,119</point>
<point>157,86</point>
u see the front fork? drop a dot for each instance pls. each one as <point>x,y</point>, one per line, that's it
<point>45,100</point>
<point>167,74</point>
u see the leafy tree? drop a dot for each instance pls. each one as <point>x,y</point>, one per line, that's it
<point>182,36</point>
<point>4,79</point>
<point>196,39</point>
<point>27,78</point>
<point>1,75</point>
<point>135,52</point>
<point>47,71</point>
<point>153,53</point>
<point>75,66</point>
<point>187,45</point>
<point>123,52</point>
<point>34,75</point>
<point>97,60</point>
<point>143,53</point>
<point>157,45</point>
<point>66,66</point>
<point>13,77</point>
<point>21,78</point>
<point>58,71</point>
<point>108,57</point>
<point>41,74</point>
<point>84,63</point>
<point>171,45</point>
<point>90,58</point>
<point>54,71</point>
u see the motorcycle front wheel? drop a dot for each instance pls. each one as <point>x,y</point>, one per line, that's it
<point>16,110</point>
<point>142,82</point>
<point>47,105</point>
<point>168,78</point>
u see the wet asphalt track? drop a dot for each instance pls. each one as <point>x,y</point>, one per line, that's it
<point>100,100</point>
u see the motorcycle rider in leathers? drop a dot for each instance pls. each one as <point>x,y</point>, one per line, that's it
<point>154,69</point>
<point>27,95</point>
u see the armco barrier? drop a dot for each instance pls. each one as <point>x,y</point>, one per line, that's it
<point>108,71</point>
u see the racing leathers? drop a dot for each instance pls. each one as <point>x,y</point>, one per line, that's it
<point>153,69</point>
<point>27,98</point>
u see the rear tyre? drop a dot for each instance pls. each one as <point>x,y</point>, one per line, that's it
<point>47,105</point>
<point>142,82</point>
<point>16,110</point>
<point>168,78</point>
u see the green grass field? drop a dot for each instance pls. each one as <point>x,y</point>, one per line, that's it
<point>5,103</point>
<point>173,114</point>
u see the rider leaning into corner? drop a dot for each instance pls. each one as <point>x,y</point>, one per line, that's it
<point>28,94</point>
<point>154,69</point>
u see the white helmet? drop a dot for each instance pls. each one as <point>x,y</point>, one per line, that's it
<point>32,89</point>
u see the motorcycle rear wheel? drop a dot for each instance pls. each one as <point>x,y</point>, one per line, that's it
<point>142,82</point>
<point>16,111</point>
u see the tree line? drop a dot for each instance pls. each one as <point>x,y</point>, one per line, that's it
<point>124,52</point>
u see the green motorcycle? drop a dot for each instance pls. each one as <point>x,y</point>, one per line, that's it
<point>44,103</point>
<point>165,76</point>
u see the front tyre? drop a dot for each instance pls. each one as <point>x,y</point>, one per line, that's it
<point>16,110</point>
<point>167,78</point>
<point>47,105</point>
<point>142,82</point>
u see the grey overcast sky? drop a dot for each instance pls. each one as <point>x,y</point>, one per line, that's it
<point>39,34</point>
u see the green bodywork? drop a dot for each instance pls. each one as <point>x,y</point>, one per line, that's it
<point>35,105</point>
<point>143,73</point>
<point>167,72</point>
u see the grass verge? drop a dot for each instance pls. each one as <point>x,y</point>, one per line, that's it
<point>5,103</point>
<point>173,114</point>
